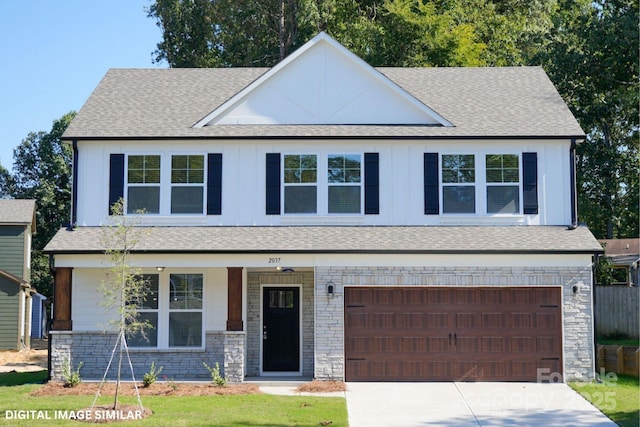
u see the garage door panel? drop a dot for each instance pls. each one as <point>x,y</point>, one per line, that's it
<point>444,334</point>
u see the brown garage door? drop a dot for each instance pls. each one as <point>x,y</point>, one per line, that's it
<point>451,334</point>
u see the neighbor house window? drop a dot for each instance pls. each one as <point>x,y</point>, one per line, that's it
<point>344,177</point>
<point>503,183</point>
<point>458,183</point>
<point>143,184</point>
<point>300,183</point>
<point>187,184</point>
<point>147,313</point>
<point>185,310</point>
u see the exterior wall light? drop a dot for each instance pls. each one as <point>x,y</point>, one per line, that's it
<point>330,288</point>
<point>160,268</point>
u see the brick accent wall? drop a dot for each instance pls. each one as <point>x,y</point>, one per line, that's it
<point>254,322</point>
<point>577,308</point>
<point>94,350</point>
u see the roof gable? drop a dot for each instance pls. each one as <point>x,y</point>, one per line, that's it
<point>323,83</point>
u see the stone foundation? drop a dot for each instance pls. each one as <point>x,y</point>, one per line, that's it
<point>94,350</point>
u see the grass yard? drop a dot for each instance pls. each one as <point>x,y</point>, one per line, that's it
<point>618,399</point>
<point>176,411</point>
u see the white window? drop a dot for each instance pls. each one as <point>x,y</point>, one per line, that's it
<point>503,184</point>
<point>458,183</point>
<point>143,184</point>
<point>344,178</point>
<point>300,183</point>
<point>148,312</point>
<point>174,306</point>
<point>185,310</point>
<point>187,184</point>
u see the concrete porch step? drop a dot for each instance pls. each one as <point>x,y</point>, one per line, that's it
<point>278,381</point>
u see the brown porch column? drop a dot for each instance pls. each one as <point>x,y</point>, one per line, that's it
<point>62,299</point>
<point>234,299</point>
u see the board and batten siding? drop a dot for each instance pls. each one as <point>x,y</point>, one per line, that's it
<point>12,247</point>
<point>617,310</point>
<point>401,189</point>
<point>9,318</point>
<point>89,315</point>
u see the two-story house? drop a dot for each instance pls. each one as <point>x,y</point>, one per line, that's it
<point>17,226</point>
<point>324,218</point>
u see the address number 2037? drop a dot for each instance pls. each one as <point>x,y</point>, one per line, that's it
<point>274,260</point>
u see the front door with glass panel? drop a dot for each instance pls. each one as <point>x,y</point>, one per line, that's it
<point>281,329</point>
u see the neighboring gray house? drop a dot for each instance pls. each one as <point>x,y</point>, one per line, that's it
<point>17,225</point>
<point>324,218</point>
<point>624,257</point>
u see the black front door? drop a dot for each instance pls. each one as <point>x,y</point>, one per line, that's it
<point>281,329</point>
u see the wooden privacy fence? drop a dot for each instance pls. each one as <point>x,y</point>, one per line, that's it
<point>619,359</point>
<point>617,310</point>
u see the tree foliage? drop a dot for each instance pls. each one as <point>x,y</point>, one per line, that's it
<point>593,60</point>
<point>42,171</point>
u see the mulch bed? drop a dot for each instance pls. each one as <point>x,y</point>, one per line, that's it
<point>156,389</point>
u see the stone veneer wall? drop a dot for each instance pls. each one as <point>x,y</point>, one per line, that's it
<point>254,328</point>
<point>577,308</point>
<point>94,349</point>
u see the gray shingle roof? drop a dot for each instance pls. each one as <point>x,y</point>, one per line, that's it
<point>17,211</point>
<point>480,102</point>
<point>337,239</point>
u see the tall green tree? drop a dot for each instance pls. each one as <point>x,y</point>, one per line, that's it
<point>593,60</point>
<point>205,33</point>
<point>42,171</point>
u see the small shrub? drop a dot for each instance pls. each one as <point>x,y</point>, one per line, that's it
<point>71,377</point>
<point>216,378</point>
<point>151,376</point>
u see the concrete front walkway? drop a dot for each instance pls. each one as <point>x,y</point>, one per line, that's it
<point>469,404</point>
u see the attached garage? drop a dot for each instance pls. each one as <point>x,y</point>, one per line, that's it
<point>452,334</point>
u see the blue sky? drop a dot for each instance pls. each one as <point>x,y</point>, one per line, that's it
<point>54,53</point>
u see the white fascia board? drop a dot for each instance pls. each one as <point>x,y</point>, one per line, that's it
<point>274,260</point>
<point>321,37</point>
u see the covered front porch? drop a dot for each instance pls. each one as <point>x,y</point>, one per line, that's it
<point>265,328</point>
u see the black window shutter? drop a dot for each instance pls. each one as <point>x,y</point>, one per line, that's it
<point>214,184</point>
<point>273,184</point>
<point>431,193</point>
<point>371,184</point>
<point>116,179</point>
<point>530,183</point>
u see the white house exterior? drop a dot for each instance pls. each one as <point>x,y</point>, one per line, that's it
<point>327,219</point>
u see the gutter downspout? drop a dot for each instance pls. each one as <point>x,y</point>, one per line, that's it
<point>74,187</point>
<point>52,271</point>
<point>596,259</point>
<point>574,192</point>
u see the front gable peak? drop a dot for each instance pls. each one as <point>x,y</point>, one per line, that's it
<point>322,83</point>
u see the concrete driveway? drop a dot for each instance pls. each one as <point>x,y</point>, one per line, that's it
<point>469,404</point>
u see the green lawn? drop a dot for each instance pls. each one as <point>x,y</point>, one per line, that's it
<point>618,398</point>
<point>176,411</point>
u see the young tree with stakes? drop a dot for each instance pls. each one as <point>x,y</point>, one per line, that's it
<point>123,291</point>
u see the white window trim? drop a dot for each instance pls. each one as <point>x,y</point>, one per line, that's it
<point>202,185</point>
<point>322,185</point>
<point>165,183</point>
<point>164,310</point>
<point>480,164</point>
<point>127,185</point>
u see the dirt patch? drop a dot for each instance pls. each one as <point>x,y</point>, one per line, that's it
<point>23,361</point>
<point>156,389</point>
<point>317,386</point>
